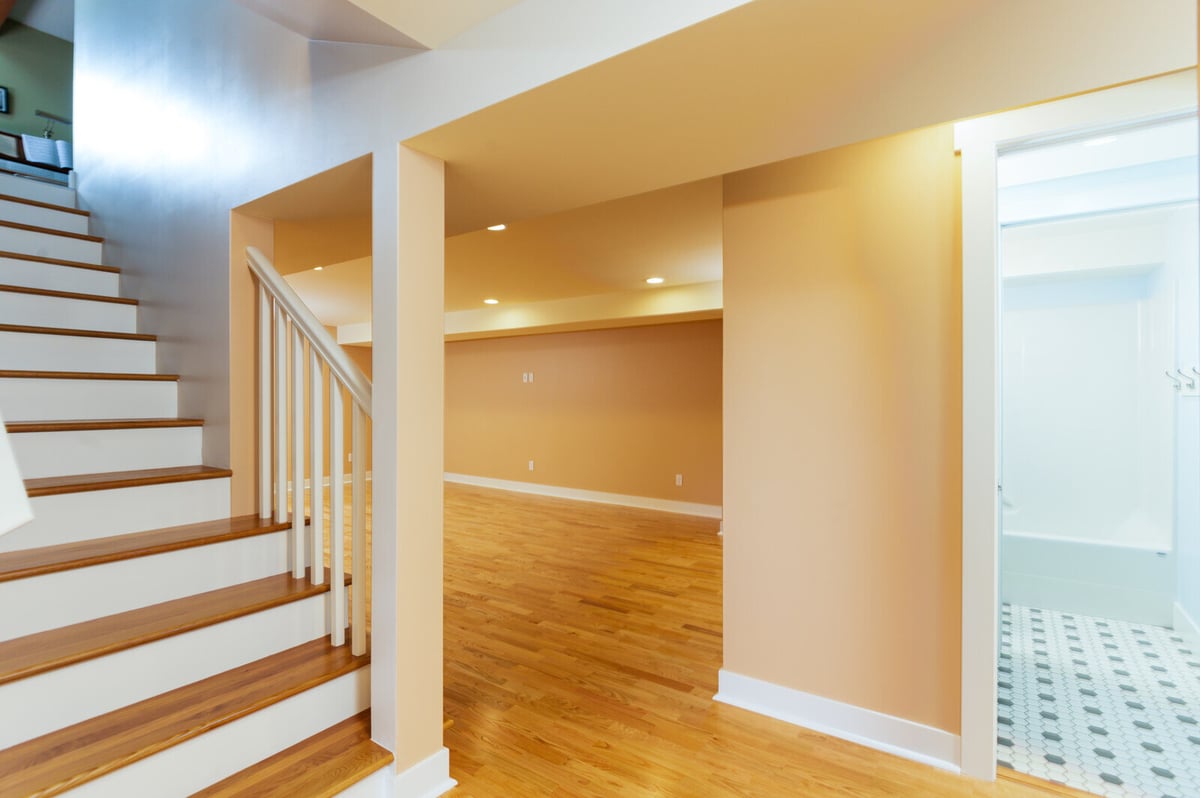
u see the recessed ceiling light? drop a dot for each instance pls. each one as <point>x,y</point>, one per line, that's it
<point>654,280</point>
<point>490,301</point>
<point>496,228</point>
<point>1100,141</point>
<point>318,268</point>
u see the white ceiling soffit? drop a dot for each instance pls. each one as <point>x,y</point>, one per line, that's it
<point>412,24</point>
<point>331,21</point>
<point>55,17</point>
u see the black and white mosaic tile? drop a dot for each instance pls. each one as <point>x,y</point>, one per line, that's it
<point>1104,706</point>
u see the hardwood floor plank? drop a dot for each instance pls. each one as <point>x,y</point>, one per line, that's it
<point>50,231</point>
<point>27,328</point>
<point>47,205</point>
<point>86,375</point>
<point>79,425</point>
<point>74,264</point>
<point>22,289</point>
<point>109,480</point>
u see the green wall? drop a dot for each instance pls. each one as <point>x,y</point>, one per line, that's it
<point>37,70</point>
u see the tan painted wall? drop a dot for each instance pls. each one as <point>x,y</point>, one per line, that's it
<point>843,425</point>
<point>621,411</point>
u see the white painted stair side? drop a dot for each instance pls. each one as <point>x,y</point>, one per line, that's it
<point>41,216</point>
<point>37,190</point>
<point>71,517</point>
<point>70,313</point>
<point>64,696</point>
<point>56,454</point>
<point>56,277</point>
<point>52,399</point>
<point>23,351</point>
<point>46,244</point>
<point>190,766</point>
<point>52,600</point>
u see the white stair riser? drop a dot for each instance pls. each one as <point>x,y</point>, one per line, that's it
<point>34,399</point>
<point>72,314</point>
<point>183,769</point>
<point>71,517</point>
<point>56,454</point>
<point>49,245</point>
<point>51,277</point>
<point>65,696</point>
<point>37,190</point>
<point>52,600</point>
<point>38,216</point>
<point>43,352</point>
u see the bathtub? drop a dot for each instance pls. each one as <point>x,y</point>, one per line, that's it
<point>1109,580</point>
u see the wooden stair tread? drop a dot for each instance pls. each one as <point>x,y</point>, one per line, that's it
<point>319,767</point>
<point>74,264</point>
<point>78,483</point>
<point>64,759</point>
<point>22,289</point>
<point>85,375</point>
<point>78,425</point>
<point>25,328</point>
<point>66,645</point>
<point>48,205</point>
<point>33,228</point>
<point>82,554</point>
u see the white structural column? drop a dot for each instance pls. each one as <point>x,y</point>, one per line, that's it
<point>316,468</point>
<point>358,532</point>
<point>265,305</point>
<point>298,544</point>
<point>406,422</point>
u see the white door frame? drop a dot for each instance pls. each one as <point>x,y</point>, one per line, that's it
<point>980,141</point>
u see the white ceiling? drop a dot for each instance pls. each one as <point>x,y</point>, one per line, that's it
<point>55,17</point>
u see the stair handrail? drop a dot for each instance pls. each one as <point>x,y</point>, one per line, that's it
<point>350,374</point>
<point>294,353</point>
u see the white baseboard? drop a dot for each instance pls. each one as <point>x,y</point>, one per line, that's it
<point>885,733</point>
<point>600,497</point>
<point>428,778</point>
<point>1186,625</point>
<point>346,480</point>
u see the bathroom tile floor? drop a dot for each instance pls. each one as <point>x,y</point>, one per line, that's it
<point>1104,706</point>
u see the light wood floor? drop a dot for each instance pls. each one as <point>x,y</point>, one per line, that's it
<point>582,644</point>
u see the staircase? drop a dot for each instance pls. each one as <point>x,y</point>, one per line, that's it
<point>150,644</point>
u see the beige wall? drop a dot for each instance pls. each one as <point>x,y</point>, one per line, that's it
<point>621,411</point>
<point>843,425</point>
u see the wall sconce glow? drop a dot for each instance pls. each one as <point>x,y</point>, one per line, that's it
<point>490,301</point>
<point>654,280</point>
<point>496,228</point>
<point>1099,141</point>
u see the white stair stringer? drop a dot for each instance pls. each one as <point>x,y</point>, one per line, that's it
<point>41,216</point>
<point>48,244</point>
<point>192,765</point>
<point>58,399</point>
<point>57,277</point>
<point>24,351</point>
<point>51,600</point>
<point>64,696</point>
<point>70,313</point>
<point>71,517</point>
<point>38,191</point>
<point>56,454</point>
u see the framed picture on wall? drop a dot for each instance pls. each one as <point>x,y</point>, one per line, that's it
<point>3,99</point>
<point>9,145</point>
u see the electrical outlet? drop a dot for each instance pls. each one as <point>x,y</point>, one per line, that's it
<point>679,480</point>
<point>530,465</point>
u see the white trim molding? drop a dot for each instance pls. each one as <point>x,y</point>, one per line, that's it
<point>876,730</point>
<point>1186,625</point>
<point>599,497</point>
<point>428,778</point>
<point>981,142</point>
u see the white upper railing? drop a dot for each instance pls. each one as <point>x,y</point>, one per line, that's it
<point>287,332</point>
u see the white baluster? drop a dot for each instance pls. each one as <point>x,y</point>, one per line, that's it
<point>298,543</point>
<point>358,533</point>
<point>265,311</point>
<point>281,464</point>
<point>316,433</point>
<point>337,519</point>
